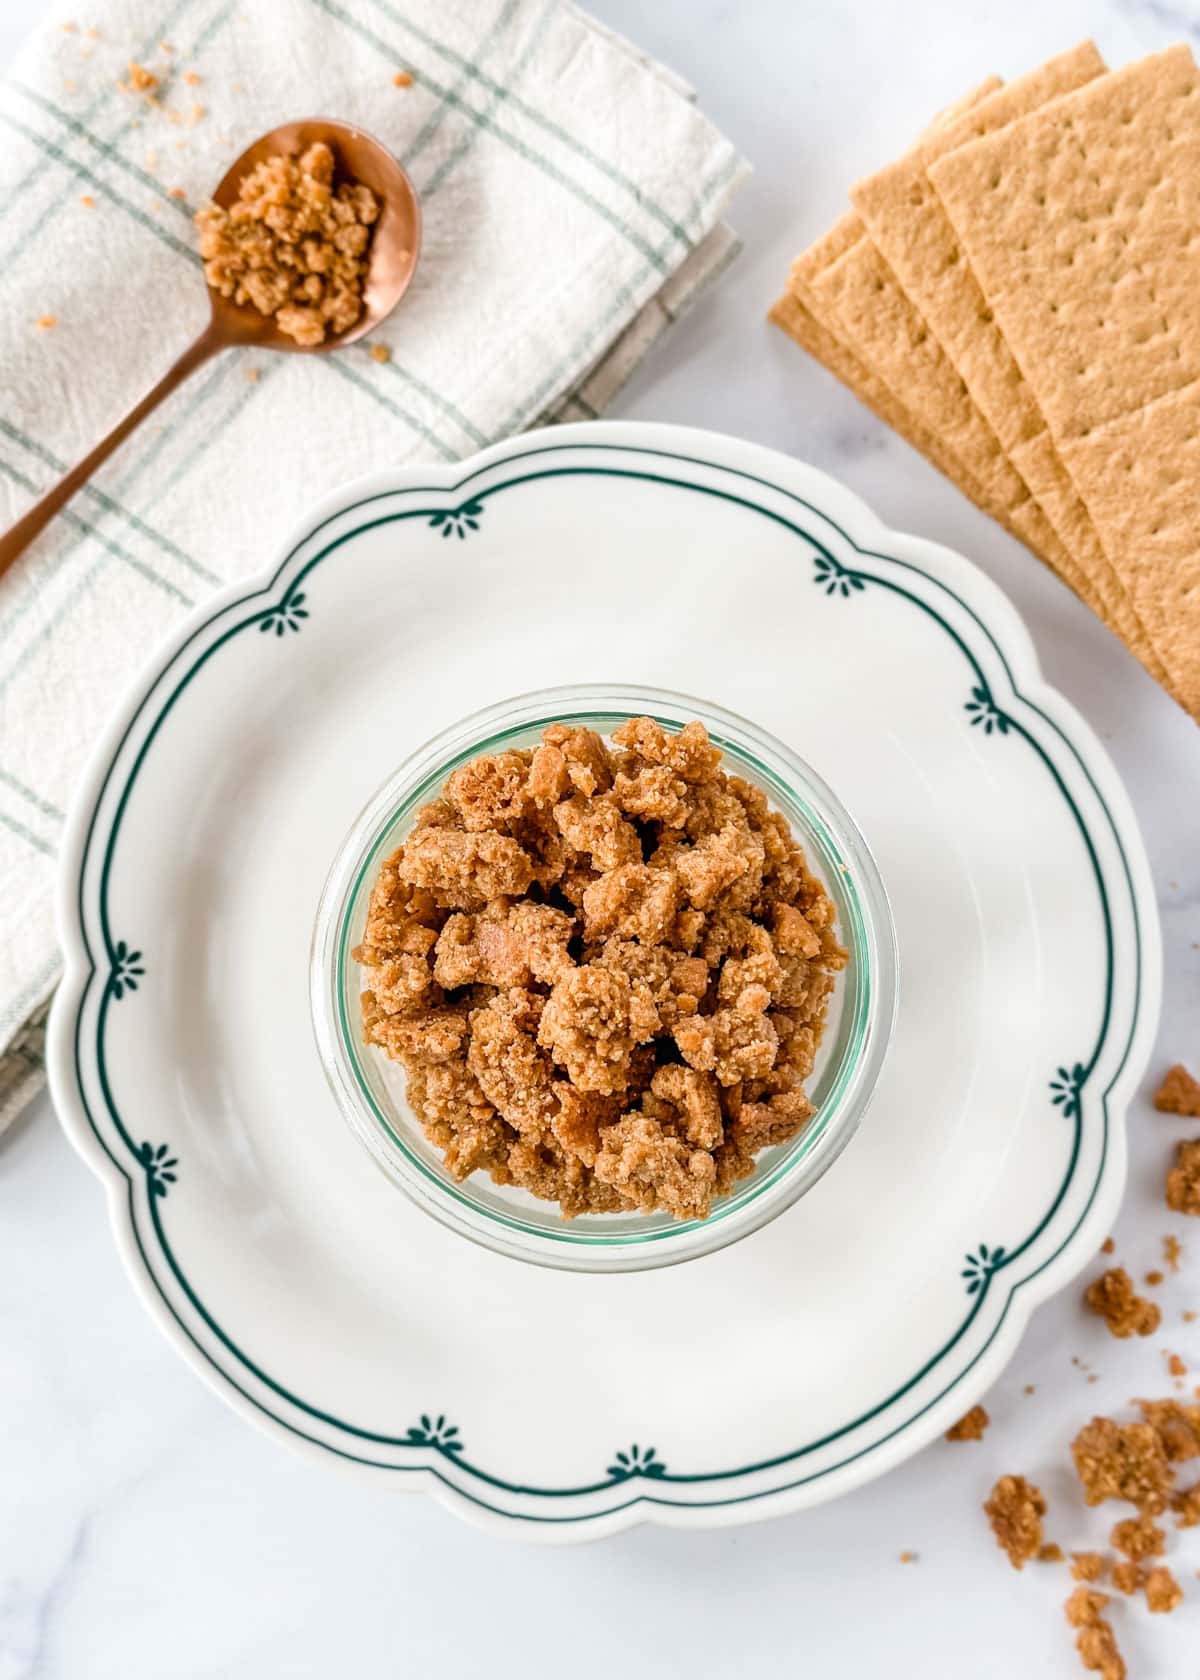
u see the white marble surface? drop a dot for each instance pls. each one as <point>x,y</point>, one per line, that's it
<point>146,1532</point>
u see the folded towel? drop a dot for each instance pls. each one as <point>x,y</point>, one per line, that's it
<point>572,195</point>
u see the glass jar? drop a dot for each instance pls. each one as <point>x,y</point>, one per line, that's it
<point>369,1087</point>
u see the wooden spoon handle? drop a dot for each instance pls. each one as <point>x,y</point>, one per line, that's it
<point>16,540</point>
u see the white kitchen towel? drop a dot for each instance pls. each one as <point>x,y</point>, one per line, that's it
<point>572,195</point>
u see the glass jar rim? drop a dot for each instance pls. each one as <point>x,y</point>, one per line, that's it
<point>863,907</point>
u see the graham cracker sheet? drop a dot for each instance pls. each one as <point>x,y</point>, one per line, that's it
<point>907,222</point>
<point>798,321</point>
<point>795,315</point>
<point>801,315</point>
<point>1081,222</point>
<point>852,291</point>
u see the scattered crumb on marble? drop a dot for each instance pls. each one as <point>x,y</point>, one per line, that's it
<point>1108,1246</point>
<point>1122,1461</point>
<point>1186,1506</point>
<point>1112,1297</point>
<point>909,1557</point>
<point>1163,1592</point>
<point>1138,1537</point>
<point>1095,1641</point>
<point>1177,1426</point>
<point>1127,1576</point>
<point>1183,1178</point>
<point>1179,1093</point>
<point>45,321</point>
<point>1015,1509</point>
<point>380,353</point>
<point>1088,1566</point>
<point>402,79</point>
<point>969,1427</point>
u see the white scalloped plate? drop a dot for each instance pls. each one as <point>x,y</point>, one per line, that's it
<point>805,1359</point>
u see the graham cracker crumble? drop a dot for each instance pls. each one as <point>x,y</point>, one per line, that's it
<point>140,80</point>
<point>605,970</point>
<point>1122,1461</point>
<point>970,1427</point>
<point>1015,1509</point>
<point>1153,1279</point>
<point>1052,1552</point>
<point>1095,1641</point>
<point>1171,1251</point>
<point>1111,1296</point>
<point>1183,1179</point>
<point>1138,1538</point>
<point>1186,1506</point>
<point>1127,1576</point>
<point>1176,1365</point>
<point>294,244</point>
<point>1177,1426</point>
<point>1088,1566</point>
<point>1179,1093</point>
<point>1163,1592</point>
<point>1107,1246</point>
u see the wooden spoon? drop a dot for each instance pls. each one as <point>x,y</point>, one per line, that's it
<point>392,256</point>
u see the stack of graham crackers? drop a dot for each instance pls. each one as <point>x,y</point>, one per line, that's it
<point>1019,297</point>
